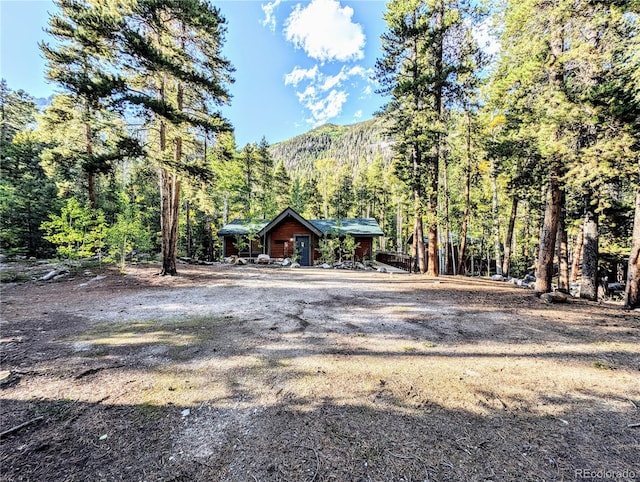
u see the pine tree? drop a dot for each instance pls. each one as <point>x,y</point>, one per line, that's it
<point>27,196</point>
<point>169,57</point>
<point>77,63</point>
<point>281,188</point>
<point>423,57</point>
<point>264,181</point>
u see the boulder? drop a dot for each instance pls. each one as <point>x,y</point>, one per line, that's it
<point>295,265</point>
<point>326,266</point>
<point>553,297</point>
<point>497,277</point>
<point>264,258</point>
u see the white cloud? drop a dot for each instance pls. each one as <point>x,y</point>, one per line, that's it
<point>324,30</point>
<point>269,17</point>
<point>326,108</point>
<point>324,95</point>
<point>333,80</point>
<point>358,114</point>
<point>298,74</point>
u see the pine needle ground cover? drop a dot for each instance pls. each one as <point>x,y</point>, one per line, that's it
<point>253,373</point>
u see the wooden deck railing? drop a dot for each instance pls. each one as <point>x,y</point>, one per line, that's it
<point>397,260</point>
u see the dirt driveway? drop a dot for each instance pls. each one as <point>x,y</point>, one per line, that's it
<point>263,374</point>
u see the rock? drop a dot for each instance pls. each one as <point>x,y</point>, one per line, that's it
<point>360,266</point>
<point>241,261</point>
<point>326,266</point>
<point>295,265</point>
<point>497,277</point>
<point>554,297</point>
<point>286,262</point>
<point>529,278</point>
<point>264,258</point>
<point>382,269</point>
<point>186,412</point>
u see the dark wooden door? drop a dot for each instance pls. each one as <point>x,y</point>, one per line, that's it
<point>303,246</point>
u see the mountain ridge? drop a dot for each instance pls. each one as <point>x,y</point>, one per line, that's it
<point>347,144</point>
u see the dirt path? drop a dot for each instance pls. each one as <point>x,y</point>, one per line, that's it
<point>247,373</point>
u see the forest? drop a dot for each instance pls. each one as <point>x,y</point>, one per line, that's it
<point>528,163</point>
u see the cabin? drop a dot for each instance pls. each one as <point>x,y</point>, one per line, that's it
<point>289,231</point>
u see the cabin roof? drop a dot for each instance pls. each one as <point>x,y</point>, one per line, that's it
<point>290,213</point>
<point>321,227</point>
<point>353,226</point>
<point>242,227</point>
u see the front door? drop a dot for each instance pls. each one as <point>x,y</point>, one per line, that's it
<point>303,247</point>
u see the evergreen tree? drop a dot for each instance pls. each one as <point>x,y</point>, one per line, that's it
<point>77,63</point>
<point>248,158</point>
<point>264,181</point>
<point>281,188</point>
<point>27,196</point>
<point>169,57</point>
<point>423,57</point>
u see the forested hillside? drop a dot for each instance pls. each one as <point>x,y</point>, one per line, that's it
<point>529,164</point>
<point>348,145</point>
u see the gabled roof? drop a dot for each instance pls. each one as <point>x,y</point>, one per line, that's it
<point>353,226</point>
<point>242,227</point>
<point>320,227</point>
<point>286,214</point>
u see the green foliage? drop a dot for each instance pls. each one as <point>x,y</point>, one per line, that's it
<point>27,197</point>
<point>127,233</point>
<point>241,243</point>
<point>327,248</point>
<point>346,144</point>
<point>77,232</point>
<point>348,247</point>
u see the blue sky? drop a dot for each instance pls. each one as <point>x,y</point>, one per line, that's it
<point>299,64</point>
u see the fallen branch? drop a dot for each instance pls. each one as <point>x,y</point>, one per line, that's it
<point>633,425</point>
<point>20,427</point>
<point>91,371</point>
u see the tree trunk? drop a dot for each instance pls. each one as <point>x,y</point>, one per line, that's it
<point>496,218</point>
<point>547,245</point>
<point>188,230</point>
<point>225,208</point>
<point>589,284</point>
<point>169,198</point>
<point>399,227</point>
<point>447,224</point>
<point>91,175</point>
<point>576,255</point>
<point>467,203</point>
<point>209,238</point>
<point>434,164</point>
<point>418,235</point>
<point>563,251</point>
<point>506,262</point>
<point>632,293</point>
